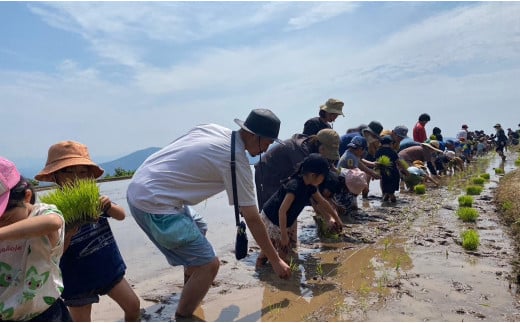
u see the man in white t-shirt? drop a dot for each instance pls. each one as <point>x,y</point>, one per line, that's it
<point>463,133</point>
<point>191,169</point>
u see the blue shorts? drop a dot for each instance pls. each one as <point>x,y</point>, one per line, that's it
<point>180,237</point>
<point>92,296</point>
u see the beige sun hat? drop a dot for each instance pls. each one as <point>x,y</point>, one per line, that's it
<point>329,140</point>
<point>433,145</point>
<point>65,154</point>
<point>333,106</point>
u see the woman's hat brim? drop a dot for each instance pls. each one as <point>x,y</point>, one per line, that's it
<point>431,147</point>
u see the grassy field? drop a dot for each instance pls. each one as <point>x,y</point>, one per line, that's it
<point>508,205</point>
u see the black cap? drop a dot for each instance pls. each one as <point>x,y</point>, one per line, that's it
<point>261,122</point>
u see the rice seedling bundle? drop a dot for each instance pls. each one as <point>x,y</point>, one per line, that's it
<point>383,164</point>
<point>517,162</point>
<point>473,190</point>
<point>470,239</point>
<point>403,163</point>
<point>323,230</point>
<point>467,214</point>
<point>485,176</point>
<point>77,201</point>
<point>478,181</point>
<point>419,189</point>
<point>499,171</point>
<point>465,201</point>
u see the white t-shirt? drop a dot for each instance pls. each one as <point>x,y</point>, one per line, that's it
<point>462,134</point>
<point>191,169</point>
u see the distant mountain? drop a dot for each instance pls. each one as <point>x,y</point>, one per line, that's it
<point>131,162</point>
<point>128,162</point>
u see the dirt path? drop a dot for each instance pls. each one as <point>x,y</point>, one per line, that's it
<point>400,262</point>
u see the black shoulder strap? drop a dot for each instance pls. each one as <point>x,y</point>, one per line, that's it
<point>234,177</point>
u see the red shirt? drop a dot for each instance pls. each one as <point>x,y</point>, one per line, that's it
<point>419,133</point>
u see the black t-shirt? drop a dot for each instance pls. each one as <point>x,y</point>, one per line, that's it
<point>314,125</point>
<point>302,194</point>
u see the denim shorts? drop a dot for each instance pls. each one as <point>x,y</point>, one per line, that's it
<point>92,296</point>
<point>180,237</point>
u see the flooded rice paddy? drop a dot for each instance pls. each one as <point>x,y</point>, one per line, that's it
<point>394,262</point>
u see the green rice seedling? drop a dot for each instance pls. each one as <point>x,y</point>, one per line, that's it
<point>404,164</point>
<point>77,201</point>
<point>319,269</point>
<point>478,181</point>
<point>384,164</point>
<point>506,206</point>
<point>419,189</point>
<point>470,239</point>
<point>293,265</point>
<point>384,161</point>
<point>323,230</point>
<point>473,190</point>
<point>499,171</point>
<point>465,201</point>
<point>485,176</point>
<point>467,214</point>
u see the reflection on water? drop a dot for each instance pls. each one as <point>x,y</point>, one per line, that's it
<point>336,280</point>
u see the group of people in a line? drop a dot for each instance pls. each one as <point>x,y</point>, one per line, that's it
<point>52,273</point>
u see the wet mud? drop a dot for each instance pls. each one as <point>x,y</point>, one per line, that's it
<point>394,262</point>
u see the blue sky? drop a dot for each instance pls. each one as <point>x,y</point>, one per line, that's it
<point>123,76</point>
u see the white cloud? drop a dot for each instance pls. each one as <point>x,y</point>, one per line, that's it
<point>436,65</point>
<point>320,12</point>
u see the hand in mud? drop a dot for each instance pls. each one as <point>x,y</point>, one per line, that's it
<point>334,226</point>
<point>282,269</point>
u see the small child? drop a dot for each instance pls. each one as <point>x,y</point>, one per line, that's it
<point>390,176</point>
<point>31,244</point>
<point>283,208</point>
<point>353,158</point>
<point>92,264</point>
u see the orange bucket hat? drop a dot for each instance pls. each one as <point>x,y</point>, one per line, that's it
<point>65,154</point>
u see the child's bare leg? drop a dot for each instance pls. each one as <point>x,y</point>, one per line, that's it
<point>81,313</point>
<point>124,295</point>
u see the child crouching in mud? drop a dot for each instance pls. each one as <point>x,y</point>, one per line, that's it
<point>282,209</point>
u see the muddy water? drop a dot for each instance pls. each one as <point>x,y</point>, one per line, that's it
<point>395,262</point>
<point>398,263</point>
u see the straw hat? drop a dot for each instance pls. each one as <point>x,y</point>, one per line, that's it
<point>432,145</point>
<point>65,154</point>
